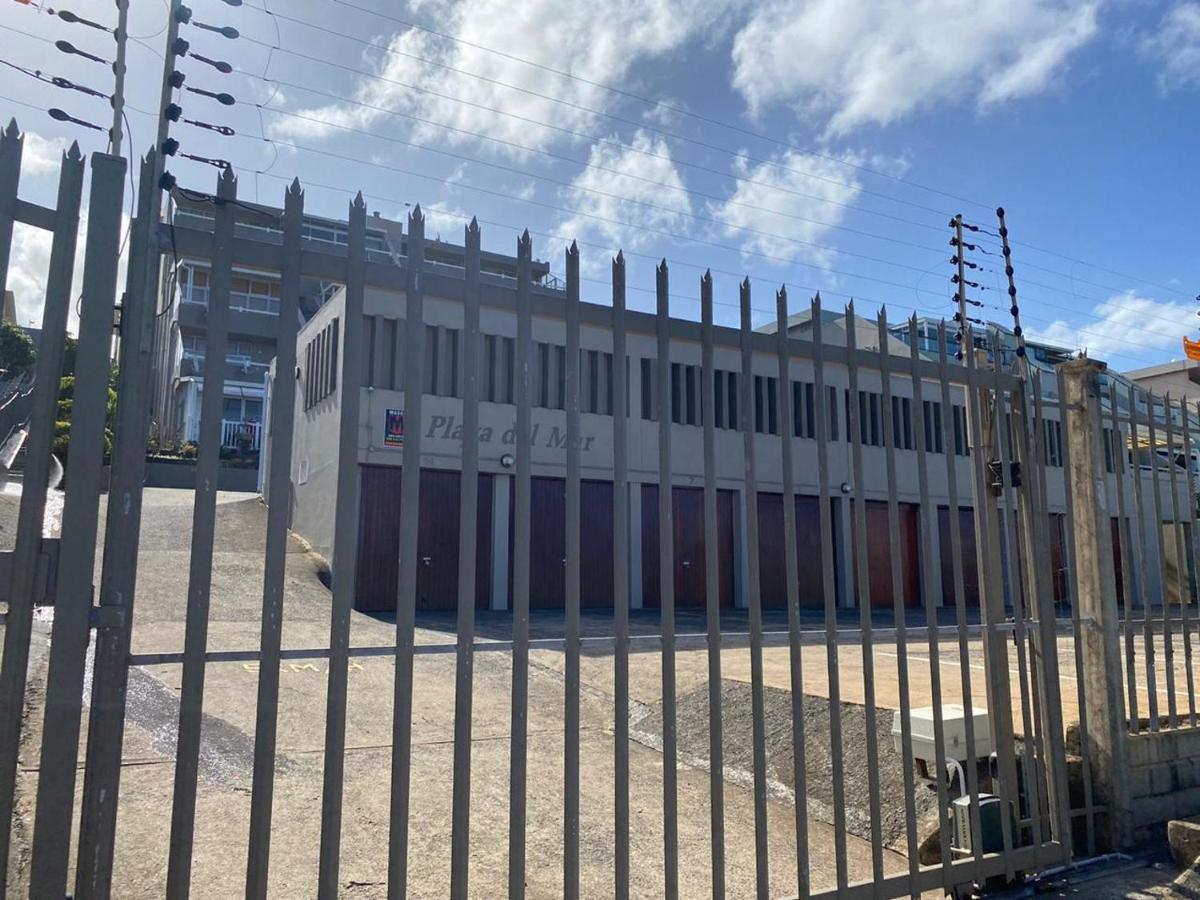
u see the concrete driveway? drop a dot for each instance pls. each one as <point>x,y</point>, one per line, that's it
<point>227,746</point>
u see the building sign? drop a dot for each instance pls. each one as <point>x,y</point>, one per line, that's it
<point>393,428</point>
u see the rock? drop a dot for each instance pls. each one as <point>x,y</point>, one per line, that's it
<point>1183,835</point>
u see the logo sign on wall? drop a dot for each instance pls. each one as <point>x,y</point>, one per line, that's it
<point>393,428</point>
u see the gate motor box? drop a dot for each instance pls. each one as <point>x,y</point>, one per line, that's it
<point>991,836</point>
<point>954,734</point>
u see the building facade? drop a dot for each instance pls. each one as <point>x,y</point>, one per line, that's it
<point>923,528</point>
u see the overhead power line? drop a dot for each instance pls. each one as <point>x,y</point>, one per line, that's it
<point>642,125</point>
<point>937,309</point>
<point>651,129</point>
<point>602,168</point>
<point>640,178</point>
<point>660,104</point>
<point>667,209</point>
<point>639,228</point>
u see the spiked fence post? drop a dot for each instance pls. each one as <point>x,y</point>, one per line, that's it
<point>28,548</point>
<point>460,840</point>
<point>102,770</point>
<point>406,597</point>
<point>345,556</point>
<point>12,144</point>
<point>81,516</point>
<point>279,493</point>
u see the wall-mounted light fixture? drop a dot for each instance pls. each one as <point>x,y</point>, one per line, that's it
<point>846,487</point>
<point>508,460</point>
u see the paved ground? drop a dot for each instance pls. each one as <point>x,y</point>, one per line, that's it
<point>223,802</point>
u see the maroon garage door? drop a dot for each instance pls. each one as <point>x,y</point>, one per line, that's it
<point>548,543</point>
<point>970,563</point>
<point>771,564</point>
<point>881,543</point>
<point>687,509</point>
<point>437,541</point>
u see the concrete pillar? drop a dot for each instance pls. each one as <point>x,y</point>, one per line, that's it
<point>1096,596</point>
<point>501,497</point>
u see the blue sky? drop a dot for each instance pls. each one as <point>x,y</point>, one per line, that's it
<point>823,144</point>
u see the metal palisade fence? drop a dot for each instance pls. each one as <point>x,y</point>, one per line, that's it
<point>997,496</point>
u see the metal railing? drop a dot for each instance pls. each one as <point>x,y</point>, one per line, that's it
<point>862,493</point>
<point>241,435</point>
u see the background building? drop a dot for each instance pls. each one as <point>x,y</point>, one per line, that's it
<point>316,459</point>
<point>178,376</point>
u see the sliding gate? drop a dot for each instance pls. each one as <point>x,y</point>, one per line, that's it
<point>902,414</point>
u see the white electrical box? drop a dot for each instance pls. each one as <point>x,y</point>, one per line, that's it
<point>954,734</point>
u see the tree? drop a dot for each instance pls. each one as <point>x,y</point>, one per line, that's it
<point>66,405</point>
<point>17,353</point>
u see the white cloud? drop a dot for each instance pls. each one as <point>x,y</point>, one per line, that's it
<point>781,204</point>
<point>41,155</point>
<point>1177,46</point>
<point>598,42</point>
<point>859,62</point>
<point>445,223</point>
<point>1127,323</point>
<point>606,194</point>
<point>30,264</point>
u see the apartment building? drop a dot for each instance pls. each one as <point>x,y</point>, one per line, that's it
<point>178,375</point>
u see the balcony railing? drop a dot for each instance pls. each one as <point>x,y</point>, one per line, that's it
<point>239,435</point>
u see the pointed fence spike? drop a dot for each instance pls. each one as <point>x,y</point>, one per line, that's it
<point>620,260</point>
<point>473,225</point>
<point>359,202</point>
<point>573,250</point>
<point>73,152</point>
<point>12,130</point>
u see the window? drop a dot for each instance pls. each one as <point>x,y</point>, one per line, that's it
<point>254,295</point>
<point>962,443</point>
<point>336,234</point>
<point>685,394</point>
<point>870,425</point>
<point>1054,446</point>
<point>442,361</point>
<point>596,382</point>
<point>933,427</point>
<point>193,285</point>
<point>804,414</point>
<point>499,354</point>
<point>902,434</point>
<point>549,376</point>
<point>765,409</point>
<point>242,409</point>
<point>649,412</point>
<point>320,365</point>
<point>725,400</point>
<point>677,412</point>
